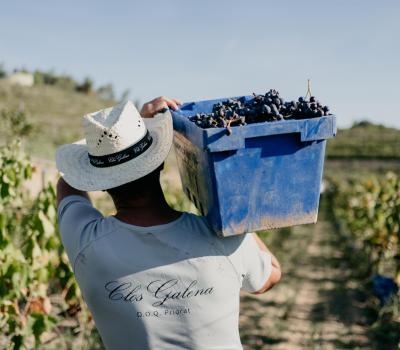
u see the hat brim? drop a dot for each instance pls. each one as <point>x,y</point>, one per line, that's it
<point>72,160</point>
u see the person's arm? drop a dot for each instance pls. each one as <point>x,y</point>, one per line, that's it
<point>276,272</point>
<point>77,219</point>
<point>64,189</point>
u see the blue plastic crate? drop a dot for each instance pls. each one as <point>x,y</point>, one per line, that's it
<point>262,176</point>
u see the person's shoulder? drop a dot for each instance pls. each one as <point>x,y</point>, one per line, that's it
<point>199,224</point>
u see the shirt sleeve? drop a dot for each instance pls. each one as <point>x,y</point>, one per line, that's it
<point>257,265</point>
<point>77,220</point>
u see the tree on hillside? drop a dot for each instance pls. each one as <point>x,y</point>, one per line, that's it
<point>3,72</point>
<point>86,87</point>
<point>47,78</point>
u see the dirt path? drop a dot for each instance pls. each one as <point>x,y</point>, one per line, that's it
<point>316,305</point>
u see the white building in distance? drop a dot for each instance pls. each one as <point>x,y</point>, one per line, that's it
<point>21,78</point>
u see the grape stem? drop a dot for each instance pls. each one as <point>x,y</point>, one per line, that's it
<point>308,89</point>
<point>228,125</point>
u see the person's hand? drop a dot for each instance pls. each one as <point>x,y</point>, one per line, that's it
<point>157,105</point>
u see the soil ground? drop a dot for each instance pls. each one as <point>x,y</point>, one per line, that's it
<point>318,302</point>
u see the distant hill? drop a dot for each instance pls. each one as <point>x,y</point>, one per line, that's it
<point>54,111</point>
<point>57,113</point>
<point>365,140</point>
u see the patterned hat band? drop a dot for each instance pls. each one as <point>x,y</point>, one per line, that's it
<point>122,156</point>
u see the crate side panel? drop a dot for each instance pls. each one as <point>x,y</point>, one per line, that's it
<point>273,182</point>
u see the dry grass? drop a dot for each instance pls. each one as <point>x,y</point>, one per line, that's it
<point>55,113</point>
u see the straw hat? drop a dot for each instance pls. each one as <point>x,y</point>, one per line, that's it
<point>119,146</point>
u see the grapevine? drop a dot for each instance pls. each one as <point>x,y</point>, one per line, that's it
<point>371,211</point>
<point>33,265</point>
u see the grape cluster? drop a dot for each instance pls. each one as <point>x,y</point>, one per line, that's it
<point>262,108</point>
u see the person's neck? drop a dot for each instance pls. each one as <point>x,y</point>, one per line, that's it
<point>146,211</point>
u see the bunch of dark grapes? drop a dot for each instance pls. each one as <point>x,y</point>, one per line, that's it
<point>262,108</point>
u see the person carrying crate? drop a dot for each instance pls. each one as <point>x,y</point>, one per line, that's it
<point>152,277</point>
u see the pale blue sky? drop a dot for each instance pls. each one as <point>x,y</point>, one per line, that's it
<point>196,50</point>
